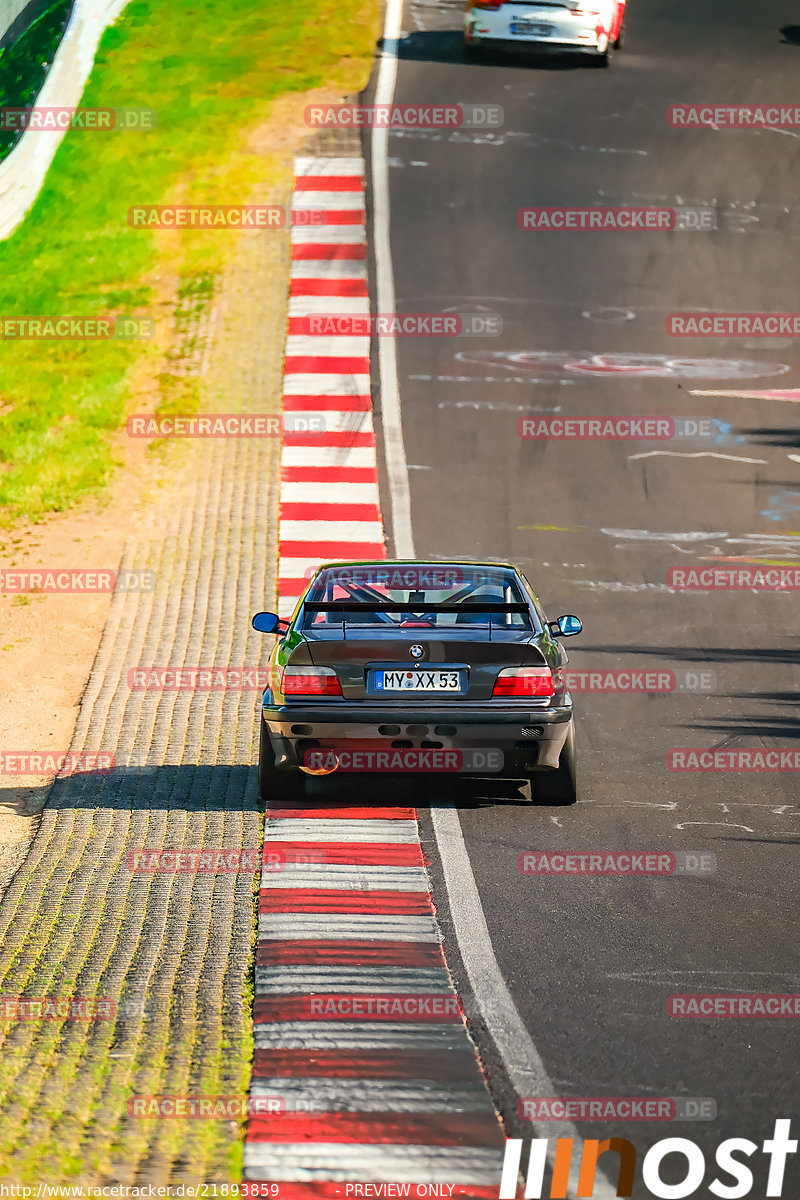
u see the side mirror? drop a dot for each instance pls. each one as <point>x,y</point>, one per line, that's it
<point>565,626</point>
<point>267,622</point>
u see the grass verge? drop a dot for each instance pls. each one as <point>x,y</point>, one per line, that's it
<point>212,72</point>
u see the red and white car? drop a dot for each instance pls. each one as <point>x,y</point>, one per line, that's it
<point>593,27</point>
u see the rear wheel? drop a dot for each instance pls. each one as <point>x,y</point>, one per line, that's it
<point>274,784</point>
<point>560,786</point>
<point>472,51</point>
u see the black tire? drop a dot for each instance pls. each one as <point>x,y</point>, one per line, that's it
<point>272,783</point>
<point>620,42</point>
<point>558,787</point>
<point>472,51</point>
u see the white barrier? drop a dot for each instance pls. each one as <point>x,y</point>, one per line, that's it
<point>23,172</point>
<point>9,11</point>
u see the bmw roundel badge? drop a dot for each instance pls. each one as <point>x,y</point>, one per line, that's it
<point>416,651</point>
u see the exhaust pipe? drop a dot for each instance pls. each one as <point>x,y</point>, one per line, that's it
<point>323,769</point>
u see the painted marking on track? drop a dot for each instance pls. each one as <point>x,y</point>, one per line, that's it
<point>395,452</point>
<point>489,404</point>
<point>699,454</point>
<point>726,824</point>
<point>521,1059</point>
<point>644,535</point>
<point>616,585</point>
<point>637,366</point>
<point>790,394</point>
<point>526,379</point>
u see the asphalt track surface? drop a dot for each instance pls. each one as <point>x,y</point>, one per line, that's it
<point>590,962</point>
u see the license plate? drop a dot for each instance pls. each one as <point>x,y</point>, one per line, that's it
<point>531,28</point>
<point>418,681</point>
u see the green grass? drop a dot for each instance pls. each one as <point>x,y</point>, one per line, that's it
<point>23,65</point>
<point>211,70</point>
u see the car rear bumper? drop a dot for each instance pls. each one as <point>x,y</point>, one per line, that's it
<point>528,739</point>
<point>567,33</point>
<point>532,46</point>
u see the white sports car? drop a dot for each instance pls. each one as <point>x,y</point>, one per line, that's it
<point>594,27</point>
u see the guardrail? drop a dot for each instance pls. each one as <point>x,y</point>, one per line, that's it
<point>15,17</point>
<point>23,172</point>
<point>18,15</point>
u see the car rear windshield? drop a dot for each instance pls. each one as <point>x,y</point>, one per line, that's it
<point>437,595</point>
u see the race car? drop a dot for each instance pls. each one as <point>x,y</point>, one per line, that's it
<point>592,27</point>
<point>410,665</point>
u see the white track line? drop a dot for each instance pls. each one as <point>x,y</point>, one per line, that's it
<point>384,290</point>
<point>323,383</point>
<point>328,201</point>
<point>348,877</point>
<point>320,493</point>
<point>348,927</point>
<point>521,1059</point>
<point>333,829</point>
<point>343,1161</point>
<point>304,979</point>
<point>351,306</point>
<point>310,1094</point>
<point>361,1035</point>
<point>697,454</point>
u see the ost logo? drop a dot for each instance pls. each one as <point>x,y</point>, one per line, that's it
<point>728,1158</point>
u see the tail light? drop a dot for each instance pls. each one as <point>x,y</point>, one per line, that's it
<point>495,4</point>
<point>523,682</point>
<point>310,681</point>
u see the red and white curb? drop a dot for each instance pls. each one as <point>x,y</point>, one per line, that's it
<point>329,506</point>
<point>358,1031</point>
